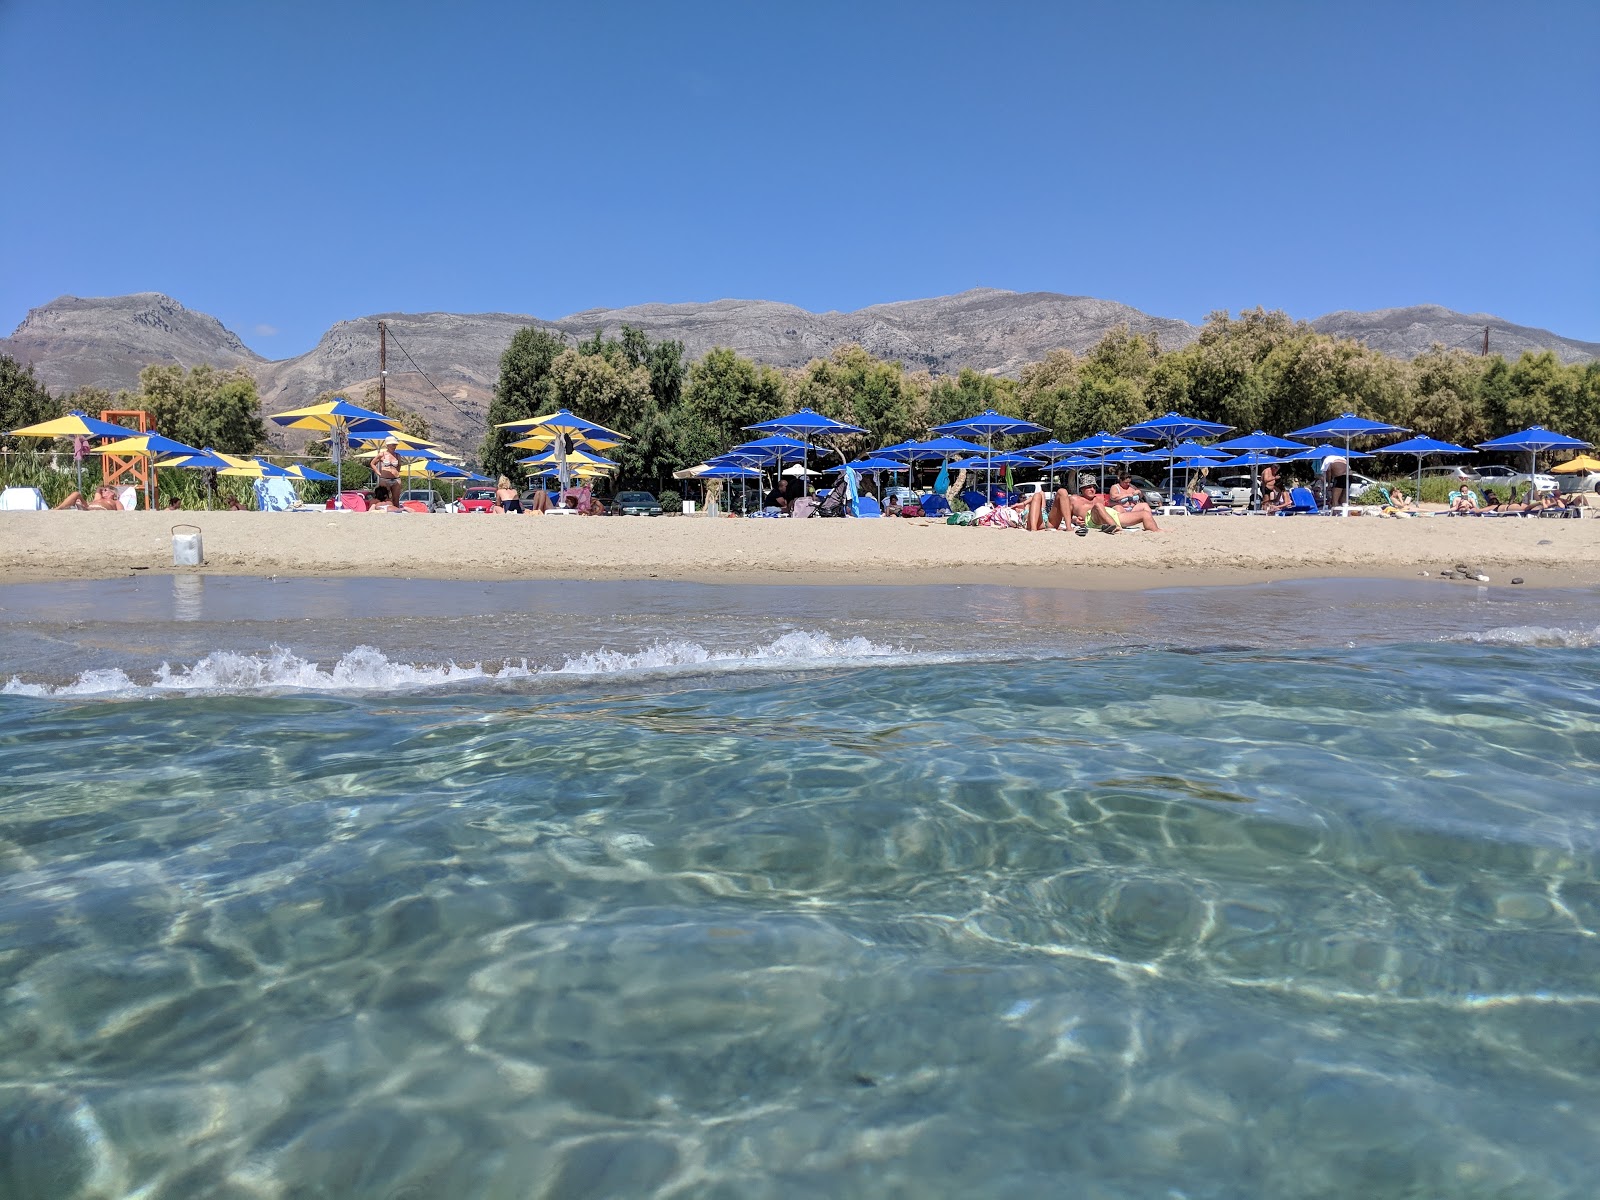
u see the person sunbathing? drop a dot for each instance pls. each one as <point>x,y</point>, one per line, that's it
<point>1464,501</point>
<point>381,501</point>
<point>1112,514</point>
<point>507,498</point>
<point>539,502</point>
<point>104,500</point>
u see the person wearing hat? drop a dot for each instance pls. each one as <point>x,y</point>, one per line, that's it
<point>386,466</point>
<point>1094,510</point>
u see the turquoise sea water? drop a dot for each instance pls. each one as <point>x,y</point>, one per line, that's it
<point>376,889</point>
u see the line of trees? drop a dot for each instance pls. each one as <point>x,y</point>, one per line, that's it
<point>1260,370</point>
<point>200,406</point>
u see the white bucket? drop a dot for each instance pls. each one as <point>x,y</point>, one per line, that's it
<point>187,550</point>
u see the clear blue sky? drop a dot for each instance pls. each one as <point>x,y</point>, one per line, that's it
<point>286,165</point>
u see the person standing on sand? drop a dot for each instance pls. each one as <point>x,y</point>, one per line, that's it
<point>386,467</point>
<point>1335,473</point>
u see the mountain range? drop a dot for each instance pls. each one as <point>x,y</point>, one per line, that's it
<point>444,365</point>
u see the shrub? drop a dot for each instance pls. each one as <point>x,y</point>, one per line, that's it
<point>671,502</point>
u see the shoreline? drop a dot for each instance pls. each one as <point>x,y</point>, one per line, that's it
<point>1188,552</point>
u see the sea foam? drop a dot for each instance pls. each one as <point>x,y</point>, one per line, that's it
<point>366,668</point>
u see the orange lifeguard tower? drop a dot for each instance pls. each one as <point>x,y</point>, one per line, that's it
<point>137,466</point>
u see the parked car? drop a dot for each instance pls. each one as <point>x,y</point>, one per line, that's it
<point>425,495</point>
<point>1459,474</point>
<point>635,504</point>
<point>478,499</point>
<point>1495,473</point>
<point>1235,489</point>
<point>1541,482</point>
<point>1577,484</point>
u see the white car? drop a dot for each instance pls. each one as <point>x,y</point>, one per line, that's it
<point>1577,484</point>
<point>1541,482</point>
<point>1494,473</point>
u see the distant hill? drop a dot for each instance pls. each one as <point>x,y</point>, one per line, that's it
<point>74,342</point>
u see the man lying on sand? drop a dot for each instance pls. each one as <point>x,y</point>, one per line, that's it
<point>105,500</point>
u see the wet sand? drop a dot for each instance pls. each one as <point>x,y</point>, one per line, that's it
<point>38,547</point>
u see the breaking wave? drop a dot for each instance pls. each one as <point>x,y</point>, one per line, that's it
<point>366,668</point>
<point>1536,635</point>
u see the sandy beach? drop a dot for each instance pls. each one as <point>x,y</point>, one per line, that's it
<point>37,547</point>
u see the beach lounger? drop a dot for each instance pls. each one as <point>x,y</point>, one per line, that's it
<point>866,506</point>
<point>22,499</point>
<point>1301,501</point>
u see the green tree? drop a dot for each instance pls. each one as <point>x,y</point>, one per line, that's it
<point>1045,392</point>
<point>724,394</point>
<point>23,400</point>
<point>969,393</point>
<point>1446,398</point>
<point>851,385</point>
<point>523,390</point>
<point>204,406</point>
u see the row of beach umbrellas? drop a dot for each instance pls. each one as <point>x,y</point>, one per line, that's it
<point>1179,435</point>
<point>565,445</point>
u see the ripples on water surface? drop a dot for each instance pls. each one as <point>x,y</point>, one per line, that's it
<point>721,892</point>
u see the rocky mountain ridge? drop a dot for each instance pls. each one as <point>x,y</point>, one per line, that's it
<point>445,364</point>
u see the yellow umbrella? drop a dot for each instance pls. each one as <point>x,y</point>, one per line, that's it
<point>74,424</point>
<point>1578,466</point>
<point>563,421</point>
<point>249,468</point>
<point>145,445</point>
<point>432,453</point>
<point>405,440</point>
<point>542,441</point>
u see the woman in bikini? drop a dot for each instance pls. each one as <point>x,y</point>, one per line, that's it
<point>104,500</point>
<point>507,498</point>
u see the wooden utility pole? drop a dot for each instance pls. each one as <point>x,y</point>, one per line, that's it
<point>1485,341</point>
<point>383,365</point>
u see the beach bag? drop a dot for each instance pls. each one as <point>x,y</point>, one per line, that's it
<point>911,509</point>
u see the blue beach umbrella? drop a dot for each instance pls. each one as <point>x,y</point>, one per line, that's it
<point>1323,451</point>
<point>1187,450</point>
<point>941,448</point>
<point>803,424</point>
<point>75,424</point>
<point>1257,443</point>
<point>1423,447</point>
<point>1103,443</point>
<point>1533,440</point>
<point>732,471</point>
<point>989,425</point>
<point>780,445</point>
<point>1346,426</point>
<point>1172,428</point>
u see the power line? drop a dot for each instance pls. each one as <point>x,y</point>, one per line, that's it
<point>450,400</point>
